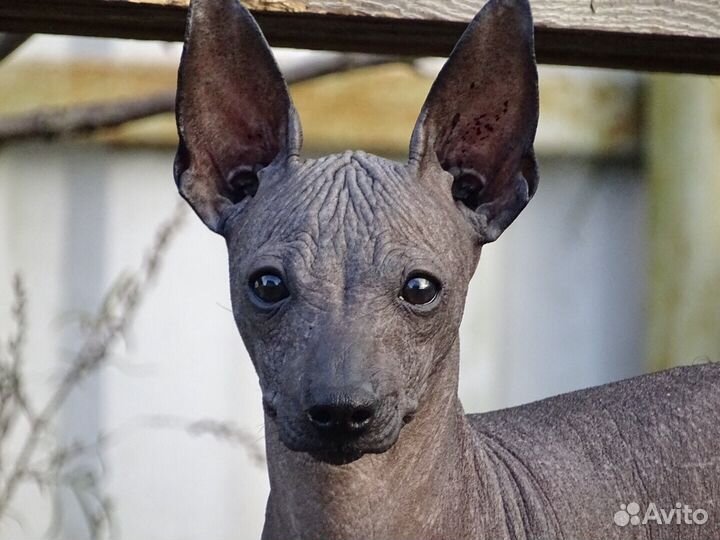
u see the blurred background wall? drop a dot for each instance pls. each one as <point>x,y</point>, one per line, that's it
<point>591,284</point>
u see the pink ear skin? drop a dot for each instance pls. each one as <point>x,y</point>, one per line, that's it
<point>480,117</point>
<point>233,110</point>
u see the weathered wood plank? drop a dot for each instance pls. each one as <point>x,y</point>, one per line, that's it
<point>666,35</point>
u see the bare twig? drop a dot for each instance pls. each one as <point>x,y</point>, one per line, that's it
<point>16,343</point>
<point>111,323</point>
<point>222,430</point>
<point>13,401</point>
<point>57,123</point>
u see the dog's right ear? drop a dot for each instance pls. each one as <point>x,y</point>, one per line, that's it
<point>233,110</point>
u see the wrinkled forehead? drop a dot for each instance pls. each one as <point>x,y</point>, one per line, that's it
<point>352,206</point>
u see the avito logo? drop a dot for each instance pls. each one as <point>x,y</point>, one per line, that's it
<point>680,514</point>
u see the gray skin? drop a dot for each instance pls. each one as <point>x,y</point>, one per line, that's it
<point>366,437</point>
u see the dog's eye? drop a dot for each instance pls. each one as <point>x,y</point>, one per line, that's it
<point>268,287</point>
<point>420,290</point>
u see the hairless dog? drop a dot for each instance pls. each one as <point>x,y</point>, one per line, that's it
<point>348,277</point>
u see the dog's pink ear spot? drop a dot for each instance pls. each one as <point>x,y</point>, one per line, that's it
<point>234,113</point>
<point>480,117</point>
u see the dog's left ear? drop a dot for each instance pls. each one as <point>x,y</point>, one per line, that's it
<point>479,120</point>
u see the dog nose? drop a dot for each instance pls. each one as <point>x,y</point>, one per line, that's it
<point>343,414</point>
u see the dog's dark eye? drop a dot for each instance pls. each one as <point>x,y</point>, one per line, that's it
<point>268,287</point>
<point>420,290</point>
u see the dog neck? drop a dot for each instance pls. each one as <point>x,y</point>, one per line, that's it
<point>422,487</point>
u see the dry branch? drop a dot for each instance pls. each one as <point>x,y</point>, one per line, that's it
<point>226,431</point>
<point>83,119</point>
<point>57,123</point>
<point>108,327</point>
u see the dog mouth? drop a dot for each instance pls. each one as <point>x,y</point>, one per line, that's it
<point>337,456</point>
<point>344,452</point>
<point>339,451</point>
<point>338,448</point>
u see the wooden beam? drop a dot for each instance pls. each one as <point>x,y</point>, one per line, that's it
<point>11,42</point>
<point>658,35</point>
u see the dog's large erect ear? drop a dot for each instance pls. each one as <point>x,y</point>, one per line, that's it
<point>234,113</point>
<point>479,120</point>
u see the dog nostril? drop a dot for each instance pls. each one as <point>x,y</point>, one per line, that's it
<point>341,418</point>
<point>321,415</point>
<point>360,417</point>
